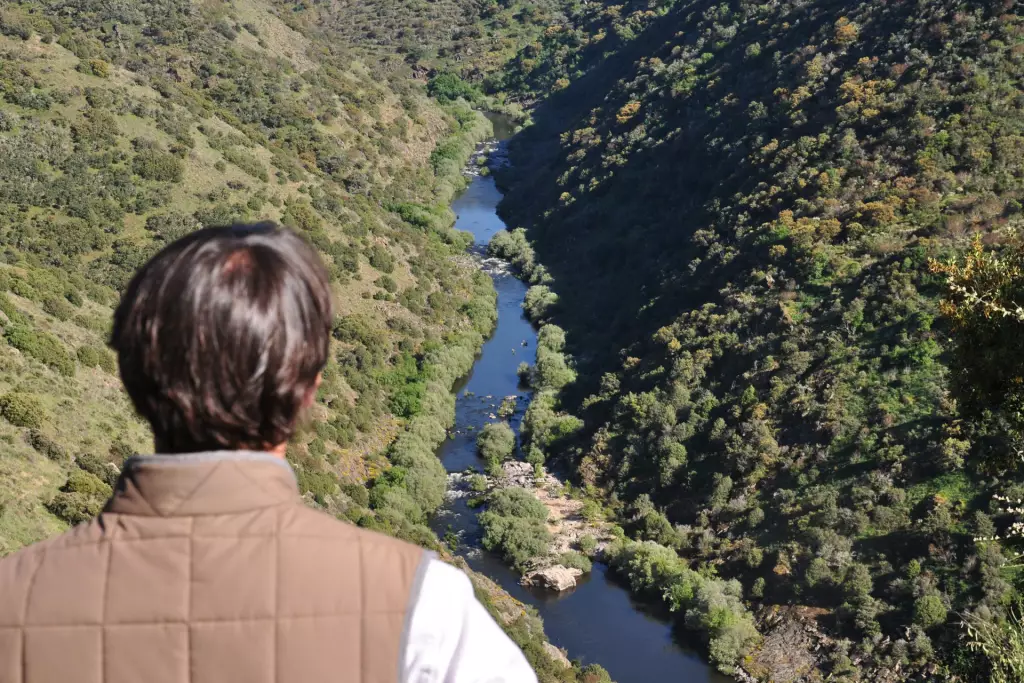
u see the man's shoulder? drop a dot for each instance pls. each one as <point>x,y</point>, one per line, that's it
<point>79,535</point>
<point>303,521</point>
<point>18,570</point>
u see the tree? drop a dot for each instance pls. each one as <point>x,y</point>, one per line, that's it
<point>929,611</point>
<point>447,86</point>
<point>496,442</point>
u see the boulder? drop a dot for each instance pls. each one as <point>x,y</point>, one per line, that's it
<point>556,578</point>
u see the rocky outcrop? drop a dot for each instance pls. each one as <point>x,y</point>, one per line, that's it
<point>557,655</point>
<point>556,578</point>
<point>521,474</point>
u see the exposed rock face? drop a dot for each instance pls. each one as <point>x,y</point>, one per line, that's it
<point>556,578</point>
<point>517,473</point>
<point>557,655</point>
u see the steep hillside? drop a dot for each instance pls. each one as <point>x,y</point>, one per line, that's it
<point>122,131</point>
<point>475,37</point>
<point>733,207</point>
<point>126,125</point>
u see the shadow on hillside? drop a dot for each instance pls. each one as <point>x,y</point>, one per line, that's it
<point>626,257</point>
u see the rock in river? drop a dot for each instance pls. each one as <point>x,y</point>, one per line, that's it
<point>556,578</point>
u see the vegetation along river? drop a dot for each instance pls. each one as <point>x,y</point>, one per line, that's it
<point>598,621</point>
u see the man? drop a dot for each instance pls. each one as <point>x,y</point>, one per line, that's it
<point>205,565</point>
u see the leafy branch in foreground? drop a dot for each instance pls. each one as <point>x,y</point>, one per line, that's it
<point>1002,643</point>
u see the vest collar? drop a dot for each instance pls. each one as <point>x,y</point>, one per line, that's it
<point>213,483</point>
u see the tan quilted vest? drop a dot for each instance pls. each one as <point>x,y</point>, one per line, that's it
<point>207,568</point>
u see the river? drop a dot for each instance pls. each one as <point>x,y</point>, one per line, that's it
<point>598,621</point>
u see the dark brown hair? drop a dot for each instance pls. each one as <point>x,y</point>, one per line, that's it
<point>221,336</point>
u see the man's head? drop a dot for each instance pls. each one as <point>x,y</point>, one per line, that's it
<point>221,338</point>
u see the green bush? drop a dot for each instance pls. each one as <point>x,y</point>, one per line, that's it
<point>98,467</point>
<point>42,346</point>
<point>171,226</point>
<point>46,446</point>
<point>155,164</point>
<point>592,511</point>
<point>22,410</point>
<point>86,483</point>
<point>588,544</point>
<point>358,493</point>
<point>929,611</point>
<point>478,483</point>
<point>58,307</point>
<point>95,357</point>
<point>94,67</point>
<point>81,498</point>
<point>711,606</point>
<point>575,561</point>
<point>514,526</point>
<point>247,162</point>
<point>74,508</point>
<point>517,502</point>
<point>496,442</point>
<point>322,485</point>
<point>448,86</point>
<point>517,540</point>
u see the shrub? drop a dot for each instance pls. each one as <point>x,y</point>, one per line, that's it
<point>87,483</point>
<point>594,673</point>
<point>155,164</point>
<point>95,357</point>
<point>121,451</point>
<point>46,446</point>
<point>322,485</point>
<point>81,498</point>
<point>74,508</point>
<point>517,502</point>
<point>588,544</point>
<point>592,511</point>
<point>247,163</point>
<point>98,467</point>
<point>447,86</point>
<point>58,307</point>
<point>496,442</point>
<point>575,561</point>
<point>516,539</point>
<point>539,303</point>
<point>1001,641</point>
<point>358,493</point>
<point>514,526</point>
<point>22,410</point>
<point>42,346</point>
<point>170,226</point>
<point>929,611</point>
<point>94,67</point>
<point>711,606</point>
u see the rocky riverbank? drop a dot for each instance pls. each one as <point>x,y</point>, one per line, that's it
<point>568,526</point>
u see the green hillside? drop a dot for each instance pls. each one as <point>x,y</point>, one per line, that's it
<point>122,131</point>
<point>733,209</point>
<point>126,125</point>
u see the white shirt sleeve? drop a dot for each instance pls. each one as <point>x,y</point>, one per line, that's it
<point>452,639</point>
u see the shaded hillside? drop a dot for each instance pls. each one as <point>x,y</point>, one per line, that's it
<point>734,206</point>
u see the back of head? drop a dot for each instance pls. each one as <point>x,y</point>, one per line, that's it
<point>222,335</point>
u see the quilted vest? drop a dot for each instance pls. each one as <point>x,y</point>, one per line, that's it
<point>207,568</point>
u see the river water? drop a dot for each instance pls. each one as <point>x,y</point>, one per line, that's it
<point>598,621</point>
